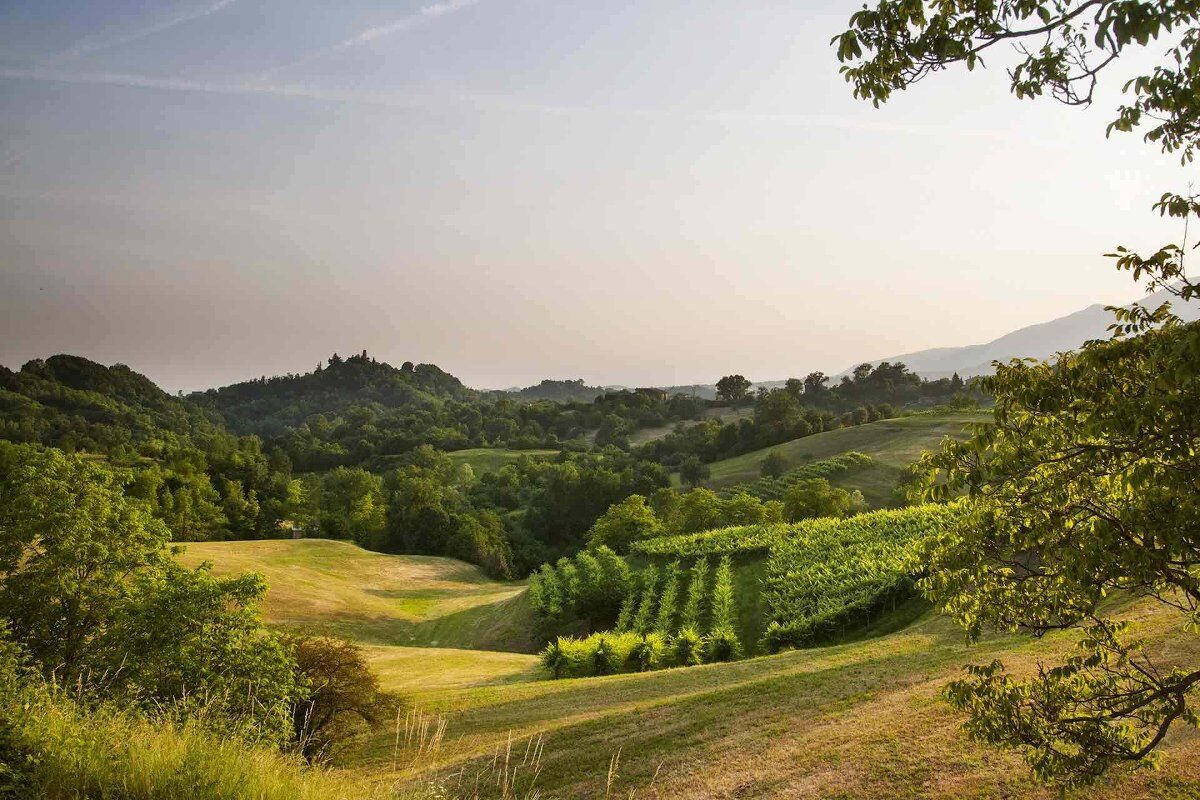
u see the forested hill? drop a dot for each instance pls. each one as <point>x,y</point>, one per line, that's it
<point>76,404</point>
<point>268,406</point>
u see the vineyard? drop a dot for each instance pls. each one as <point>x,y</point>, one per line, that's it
<point>822,577</point>
<point>669,617</point>
<point>767,488</point>
<point>831,575</point>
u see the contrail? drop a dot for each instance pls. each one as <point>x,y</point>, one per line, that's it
<point>371,34</point>
<point>93,44</point>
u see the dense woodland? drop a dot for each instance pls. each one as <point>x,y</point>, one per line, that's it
<point>356,449</point>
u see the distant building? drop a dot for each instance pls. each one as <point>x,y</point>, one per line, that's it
<point>654,394</point>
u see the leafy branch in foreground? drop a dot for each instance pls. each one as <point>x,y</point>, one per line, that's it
<point>1086,485</point>
<point>1062,48</point>
<point>1088,481</point>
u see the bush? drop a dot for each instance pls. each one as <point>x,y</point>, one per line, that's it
<point>722,644</point>
<point>687,648</point>
<point>585,592</point>
<point>51,746</point>
<point>721,604</point>
<point>647,654</point>
<point>667,601</point>
<point>697,584</point>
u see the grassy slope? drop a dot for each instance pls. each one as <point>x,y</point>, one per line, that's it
<point>893,443</point>
<point>725,414</point>
<point>397,606</point>
<point>858,720</point>
<point>490,459</point>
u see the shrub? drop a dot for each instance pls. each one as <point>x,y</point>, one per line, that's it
<point>553,658</point>
<point>647,654</point>
<point>687,648</point>
<point>598,654</point>
<point>51,746</point>
<point>643,619</point>
<point>721,604</point>
<point>342,700</point>
<point>722,644</point>
<point>587,591</point>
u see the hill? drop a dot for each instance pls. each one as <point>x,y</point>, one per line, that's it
<point>861,720</point>
<point>1040,341</point>
<point>892,444</point>
<point>377,599</point>
<point>268,406</point>
<point>70,402</point>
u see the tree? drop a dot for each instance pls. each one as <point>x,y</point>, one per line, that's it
<point>692,471</point>
<point>1084,484</point>
<point>624,523</point>
<point>352,505</point>
<point>342,699</point>
<point>733,388</point>
<point>774,465</point>
<point>815,497</point>
<point>90,590</point>
<point>898,42</point>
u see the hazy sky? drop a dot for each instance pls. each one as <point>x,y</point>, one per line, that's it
<point>628,192</point>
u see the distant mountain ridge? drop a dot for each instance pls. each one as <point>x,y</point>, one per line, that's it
<point>1043,341</point>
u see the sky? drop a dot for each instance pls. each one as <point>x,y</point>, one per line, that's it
<point>638,193</point>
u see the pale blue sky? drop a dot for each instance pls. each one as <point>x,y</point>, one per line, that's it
<point>650,192</point>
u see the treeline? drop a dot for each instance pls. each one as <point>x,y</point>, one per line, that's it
<point>361,412</point>
<point>670,513</point>
<point>508,521</point>
<point>802,407</point>
<point>198,478</point>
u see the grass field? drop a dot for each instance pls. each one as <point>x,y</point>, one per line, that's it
<point>490,459</point>
<point>893,444</point>
<point>861,719</point>
<point>858,720</point>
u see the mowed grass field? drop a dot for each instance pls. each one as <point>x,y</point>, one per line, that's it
<point>425,621</point>
<point>491,459</point>
<point>858,721</point>
<point>892,443</point>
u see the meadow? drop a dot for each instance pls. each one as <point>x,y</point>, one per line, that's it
<point>892,445</point>
<point>860,719</point>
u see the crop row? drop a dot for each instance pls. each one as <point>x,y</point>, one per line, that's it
<point>830,575</point>
<point>767,488</point>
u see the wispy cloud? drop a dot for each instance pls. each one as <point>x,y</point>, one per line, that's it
<point>94,44</point>
<point>379,31</point>
<point>496,103</point>
<point>136,81</point>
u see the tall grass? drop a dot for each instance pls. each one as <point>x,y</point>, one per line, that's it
<point>52,749</point>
